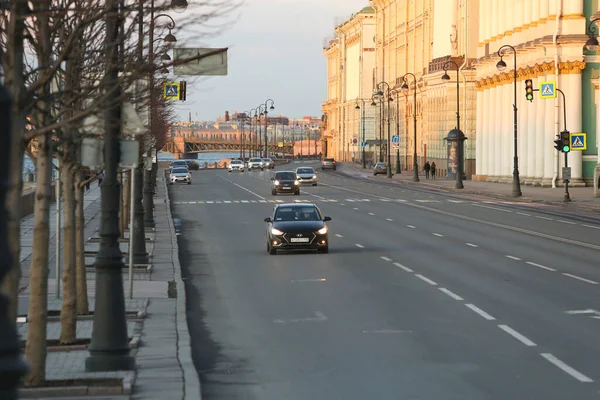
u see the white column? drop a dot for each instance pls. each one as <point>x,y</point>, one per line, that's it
<point>484,134</point>
<point>574,123</point>
<point>481,17</point>
<point>522,131</point>
<point>494,16</point>
<point>529,143</point>
<point>549,137</point>
<point>540,132</point>
<point>479,129</point>
<point>498,132</point>
<point>574,7</point>
<point>527,11</point>
<point>543,12</point>
<point>488,19</point>
<point>517,13</point>
<point>493,122</point>
<point>502,15</point>
<point>505,111</point>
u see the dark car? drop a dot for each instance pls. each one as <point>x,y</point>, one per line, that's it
<point>285,182</point>
<point>380,168</point>
<point>328,162</point>
<point>297,227</point>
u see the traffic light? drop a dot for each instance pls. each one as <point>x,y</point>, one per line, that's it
<point>565,141</point>
<point>558,143</point>
<point>529,89</point>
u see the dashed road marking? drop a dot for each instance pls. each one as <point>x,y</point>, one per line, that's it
<point>479,311</point>
<point>438,234</point>
<point>426,279</point>
<point>385,258</point>
<point>546,218</point>
<point>566,368</point>
<point>360,246</point>
<point>403,267</point>
<point>389,219</point>
<point>566,222</point>
<point>591,226</point>
<point>411,226</point>
<point>517,335</point>
<point>371,214</point>
<point>493,208</point>
<point>451,294</point>
<point>513,258</point>
<point>471,245</point>
<point>541,266</point>
<point>338,235</point>
<point>580,278</point>
<point>525,214</point>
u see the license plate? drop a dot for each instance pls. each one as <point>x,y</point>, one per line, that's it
<point>299,240</point>
<point>287,187</point>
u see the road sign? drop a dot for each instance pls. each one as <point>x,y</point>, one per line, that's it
<point>354,140</point>
<point>578,141</point>
<point>395,141</point>
<point>566,173</point>
<point>280,144</point>
<point>200,61</point>
<point>548,90</point>
<point>364,144</point>
<point>171,90</point>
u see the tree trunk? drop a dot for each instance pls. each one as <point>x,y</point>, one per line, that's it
<point>38,275</point>
<point>68,315</point>
<point>14,80</point>
<point>83,307</point>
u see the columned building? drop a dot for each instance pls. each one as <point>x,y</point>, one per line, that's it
<point>549,38</point>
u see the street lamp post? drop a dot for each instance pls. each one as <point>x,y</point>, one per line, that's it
<point>252,134</point>
<point>109,348</point>
<point>501,65</point>
<point>398,168</point>
<point>459,144</point>
<point>261,112</point>
<point>267,108</point>
<point>384,90</point>
<point>405,89</point>
<point>362,121</point>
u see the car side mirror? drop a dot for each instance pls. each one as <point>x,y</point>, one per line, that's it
<point>268,219</point>
<point>272,179</point>
<point>326,219</point>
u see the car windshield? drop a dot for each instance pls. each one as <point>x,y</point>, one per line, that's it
<point>236,162</point>
<point>285,176</point>
<point>380,164</point>
<point>180,171</point>
<point>255,159</point>
<point>305,171</point>
<point>267,159</point>
<point>328,159</point>
<point>305,213</point>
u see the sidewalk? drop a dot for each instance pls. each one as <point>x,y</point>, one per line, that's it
<point>582,197</point>
<point>156,321</point>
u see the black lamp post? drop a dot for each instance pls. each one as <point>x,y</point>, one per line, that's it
<point>261,113</point>
<point>267,108</point>
<point>592,42</point>
<point>405,89</point>
<point>501,65</point>
<point>383,89</point>
<point>252,134</point>
<point>362,121</point>
<point>459,144</point>
<point>398,168</point>
<point>109,347</point>
<point>374,104</point>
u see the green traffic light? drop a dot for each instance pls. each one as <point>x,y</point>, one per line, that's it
<point>566,149</point>
<point>529,96</point>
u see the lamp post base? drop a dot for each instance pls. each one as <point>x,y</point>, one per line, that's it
<point>416,173</point>
<point>109,362</point>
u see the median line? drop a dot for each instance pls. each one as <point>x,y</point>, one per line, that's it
<point>566,368</point>
<point>479,311</point>
<point>580,278</point>
<point>360,246</point>
<point>385,258</point>
<point>451,294</point>
<point>517,335</point>
<point>426,279</point>
<point>403,267</point>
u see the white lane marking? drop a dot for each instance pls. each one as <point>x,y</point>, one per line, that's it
<point>309,280</point>
<point>566,368</point>
<point>367,200</point>
<point>227,202</point>
<point>389,219</point>
<point>513,258</point>
<point>319,317</point>
<point>471,245</point>
<point>580,278</point>
<point>517,335</point>
<point>566,222</point>
<point>386,200</point>
<point>480,312</point>
<point>426,279</point>
<point>360,246</point>
<point>384,331</point>
<point>578,312</point>
<point>403,267</point>
<point>355,208</point>
<point>338,235</point>
<point>210,202</point>
<point>541,266</point>
<point>451,294</point>
<point>455,201</point>
<point>438,234</point>
<point>245,201</point>
<point>492,208</point>
<point>525,214</point>
<point>249,191</point>
<point>385,258</point>
<point>371,214</point>
<point>546,218</point>
<point>411,226</point>
<point>591,226</point>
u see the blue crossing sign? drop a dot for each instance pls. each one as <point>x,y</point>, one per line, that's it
<point>171,90</point>
<point>578,141</point>
<point>395,140</point>
<point>548,90</point>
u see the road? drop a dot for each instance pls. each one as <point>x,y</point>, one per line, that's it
<point>423,295</point>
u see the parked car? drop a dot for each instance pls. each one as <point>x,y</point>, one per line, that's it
<point>268,163</point>
<point>254,163</point>
<point>328,162</point>
<point>179,164</point>
<point>380,168</point>
<point>180,175</point>
<point>285,182</point>
<point>236,165</point>
<point>306,175</point>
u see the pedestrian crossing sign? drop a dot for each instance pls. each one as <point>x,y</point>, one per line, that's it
<point>548,90</point>
<point>578,141</point>
<point>171,90</point>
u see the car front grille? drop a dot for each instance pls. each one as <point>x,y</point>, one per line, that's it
<point>289,235</point>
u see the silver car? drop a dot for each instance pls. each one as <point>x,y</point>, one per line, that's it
<point>236,165</point>
<point>180,175</point>
<point>380,168</point>
<point>255,163</point>
<point>306,175</point>
<point>268,163</point>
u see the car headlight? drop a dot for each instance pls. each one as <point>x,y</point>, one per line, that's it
<point>276,183</point>
<point>275,231</point>
<point>296,183</point>
<point>314,177</point>
<point>322,231</point>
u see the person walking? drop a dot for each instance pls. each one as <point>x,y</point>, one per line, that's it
<point>100,178</point>
<point>433,170</point>
<point>426,168</point>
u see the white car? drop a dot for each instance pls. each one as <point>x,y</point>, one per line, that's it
<point>236,165</point>
<point>179,164</point>
<point>256,163</point>
<point>180,175</point>
<point>306,176</point>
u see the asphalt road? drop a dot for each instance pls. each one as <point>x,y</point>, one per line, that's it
<point>422,296</point>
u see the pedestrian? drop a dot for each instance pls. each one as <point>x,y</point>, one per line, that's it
<point>86,178</point>
<point>433,170</point>
<point>100,178</point>
<point>426,168</point>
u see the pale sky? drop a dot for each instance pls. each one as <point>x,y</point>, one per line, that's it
<point>275,51</point>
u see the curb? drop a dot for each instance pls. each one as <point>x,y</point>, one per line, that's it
<point>191,381</point>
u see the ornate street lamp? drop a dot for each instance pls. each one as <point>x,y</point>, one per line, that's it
<point>501,65</point>
<point>260,113</point>
<point>362,121</point>
<point>592,42</point>
<point>383,89</point>
<point>267,108</point>
<point>405,89</point>
<point>460,151</point>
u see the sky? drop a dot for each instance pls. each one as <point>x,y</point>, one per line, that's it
<point>275,52</point>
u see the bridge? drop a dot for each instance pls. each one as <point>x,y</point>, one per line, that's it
<point>182,147</point>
